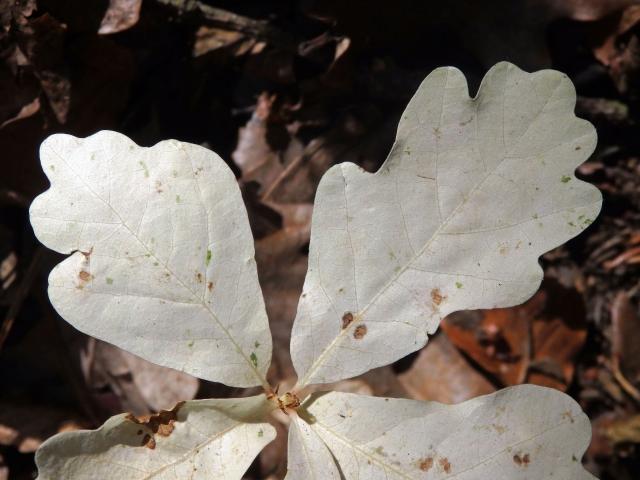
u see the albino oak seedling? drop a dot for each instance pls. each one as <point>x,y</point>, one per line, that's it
<point>162,264</point>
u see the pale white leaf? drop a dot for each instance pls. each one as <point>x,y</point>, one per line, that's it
<point>522,432</point>
<point>308,456</point>
<point>200,439</point>
<point>164,259</point>
<point>472,193</point>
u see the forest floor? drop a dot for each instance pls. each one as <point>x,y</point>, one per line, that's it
<point>282,90</point>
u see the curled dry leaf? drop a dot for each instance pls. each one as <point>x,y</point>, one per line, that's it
<point>141,386</point>
<point>120,15</point>
<point>536,342</point>
<point>442,374</point>
<point>625,332</point>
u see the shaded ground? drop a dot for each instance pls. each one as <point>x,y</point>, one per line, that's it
<point>283,90</point>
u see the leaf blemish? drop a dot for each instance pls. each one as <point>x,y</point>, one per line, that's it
<point>425,464</point>
<point>254,359</point>
<point>445,464</point>
<point>207,260</point>
<point>161,423</point>
<point>347,318</point>
<point>210,286</point>
<point>521,460</point>
<point>568,415</point>
<point>84,276</point>
<point>360,332</point>
<point>145,168</point>
<point>565,179</point>
<point>437,297</point>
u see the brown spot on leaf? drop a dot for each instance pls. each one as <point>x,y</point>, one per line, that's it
<point>437,297</point>
<point>425,464</point>
<point>360,331</point>
<point>84,276</point>
<point>445,464</point>
<point>199,277</point>
<point>499,428</point>
<point>568,416</point>
<point>347,318</point>
<point>521,460</point>
<point>148,441</point>
<point>161,423</point>
<point>210,286</point>
<point>159,186</point>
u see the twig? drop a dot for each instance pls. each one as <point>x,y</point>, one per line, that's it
<point>218,17</point>
<point>625,384</point>
<point>20,295</point>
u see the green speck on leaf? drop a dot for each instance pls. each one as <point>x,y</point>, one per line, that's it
<point>208,260</point>
<point>177,198</point>
<point>155,264</point>
<point>52,167</point>
<point>458,285</point>
<point>565,179</point>
<point>256,344</point>
<point>190,344</point>
<point>109,281</point>
<point>587,221</point>
<point>146,169</point>
<point>535,216</point>
<point>571,224</point>
<point>254,359</point>
<point>260,433</point>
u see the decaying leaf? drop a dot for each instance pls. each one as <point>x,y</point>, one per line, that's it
<point>197,440</point>
<point>536,342</point>
<point>511,434</point>
<point>162,262</point>
<point>140,386</point>
<point>442,374</point>
<point>473,192</point>
<point>121,15</point>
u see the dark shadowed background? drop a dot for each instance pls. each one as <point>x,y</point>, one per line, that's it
<point>282,90</point>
